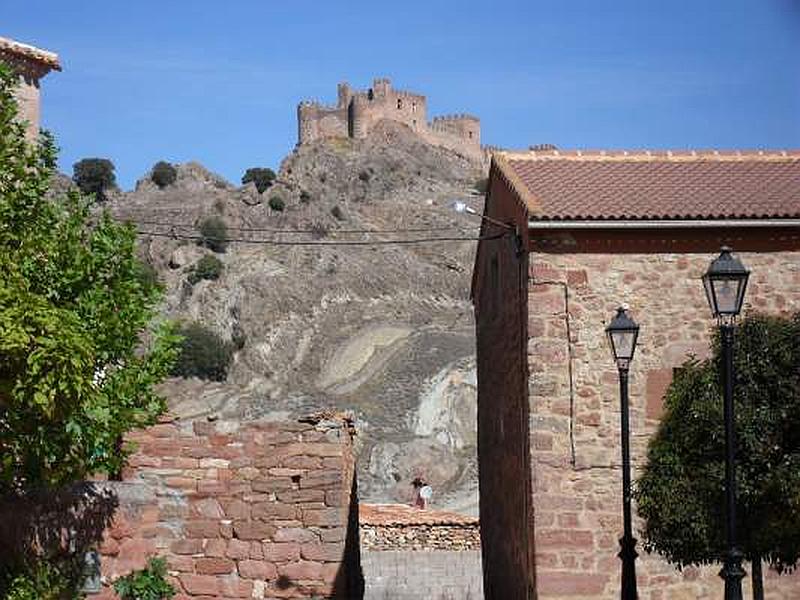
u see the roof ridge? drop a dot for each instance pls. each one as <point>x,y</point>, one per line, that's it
<point>765,155</point>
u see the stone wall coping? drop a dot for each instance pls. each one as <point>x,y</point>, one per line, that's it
<point>45,57</point>
<point>409,516</point>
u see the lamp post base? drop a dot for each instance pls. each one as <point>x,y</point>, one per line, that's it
<point>733,573</point>
<point>628,554</point>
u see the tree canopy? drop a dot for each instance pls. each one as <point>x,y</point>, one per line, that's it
<point>262,177</point>
<point>78,355</point>
<point>94,176</point>
<point>680,493</point>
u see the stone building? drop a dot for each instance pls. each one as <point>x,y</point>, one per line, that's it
<point>30,64</point>
<point>356,112</point>
<point>592,231</point>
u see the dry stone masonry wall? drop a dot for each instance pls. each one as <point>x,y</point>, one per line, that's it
<point>261,510</point>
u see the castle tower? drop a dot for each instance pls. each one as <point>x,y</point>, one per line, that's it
<point>307,130</point>
<point>381,87</point>
<point>359,116</point>
<point>345,94</point>
<point>30,64</point>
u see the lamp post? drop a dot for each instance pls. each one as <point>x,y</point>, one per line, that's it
<point>622,334</point>
<point>725,283</point>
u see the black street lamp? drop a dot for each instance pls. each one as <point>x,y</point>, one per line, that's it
<point>725,283</point>
<point>622,334</point>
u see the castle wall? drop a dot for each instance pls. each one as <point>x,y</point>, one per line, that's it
<point>315,121</point>
<point>357,112</point>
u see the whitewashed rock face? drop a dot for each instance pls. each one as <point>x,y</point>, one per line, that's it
<point>386,331</point>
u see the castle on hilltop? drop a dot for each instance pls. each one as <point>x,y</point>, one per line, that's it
<point>356,112</point>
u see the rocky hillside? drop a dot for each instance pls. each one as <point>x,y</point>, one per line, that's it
<point>383,330</point>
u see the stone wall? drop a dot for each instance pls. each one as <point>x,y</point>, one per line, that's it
<point>357,112</point>
<point>432,575</point>
<point>500,299</point>
<point>408,552</point>
<point>264,510</point>
<point>574,403</point>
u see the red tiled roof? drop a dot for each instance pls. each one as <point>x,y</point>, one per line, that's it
<point>578,185</point>
<point>50,59</point>
<point>404,515</point>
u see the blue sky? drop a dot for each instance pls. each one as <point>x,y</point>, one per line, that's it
<point>219,82</point>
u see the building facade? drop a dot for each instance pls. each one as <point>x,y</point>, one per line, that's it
<point>592,231</point>
<point>357,111</point>
<point>30,64</point>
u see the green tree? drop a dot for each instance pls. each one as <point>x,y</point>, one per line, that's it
<point>163,174</point>
<point>263,177</point>
<point>214,234</point>
<point>680,494</point>
<point>203,354</point>
<point>277,204</point>
<point>94,176</point>
<point>209,267</point>
<point>75,374</point>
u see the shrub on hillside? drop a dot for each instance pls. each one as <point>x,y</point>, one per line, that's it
<point>263,177</point>
<point>214,234</point>
<point>94,176</point>
<point>209,267</point>
<point>481,185</point>
<point>276,203</point>
<point>163,174</point>
<point>305,197</point>
<point>337,213</point>
<point>203,353</point>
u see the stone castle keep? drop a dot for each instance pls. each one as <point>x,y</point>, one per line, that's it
<point>356,112</point>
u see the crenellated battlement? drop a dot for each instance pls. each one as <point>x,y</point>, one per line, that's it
<point>357,111</point>
<point>455,117</point>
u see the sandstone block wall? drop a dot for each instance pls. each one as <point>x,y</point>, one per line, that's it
<point>432,575</point>
<point>574,405</point>
<point>264,510</point>
<point>503,442</point>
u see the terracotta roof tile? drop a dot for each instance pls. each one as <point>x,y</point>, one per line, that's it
<point>404,515</point>
<point>49,59</point>
<point>599,185</point>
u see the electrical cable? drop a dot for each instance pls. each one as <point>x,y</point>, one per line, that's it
<point>300,231</point>
<point>178,236</point>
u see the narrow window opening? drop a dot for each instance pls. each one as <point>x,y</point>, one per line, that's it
<point>399,103</point>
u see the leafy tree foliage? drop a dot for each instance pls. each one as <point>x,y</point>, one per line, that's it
<point>203,354</point>
<point>209,267</point>
<point>277,204</point>
<point>163,174</point>
<point>94,176</point>
<point>214,233</point>
<point>149,583</point>
<point>263,177</point>
<point>681,492</point>
<point>74,375</point>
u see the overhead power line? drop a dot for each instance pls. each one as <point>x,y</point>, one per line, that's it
<point>273,242</point>
<point>301,230</point>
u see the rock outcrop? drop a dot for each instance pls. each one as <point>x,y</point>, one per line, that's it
<point>384,330</point>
